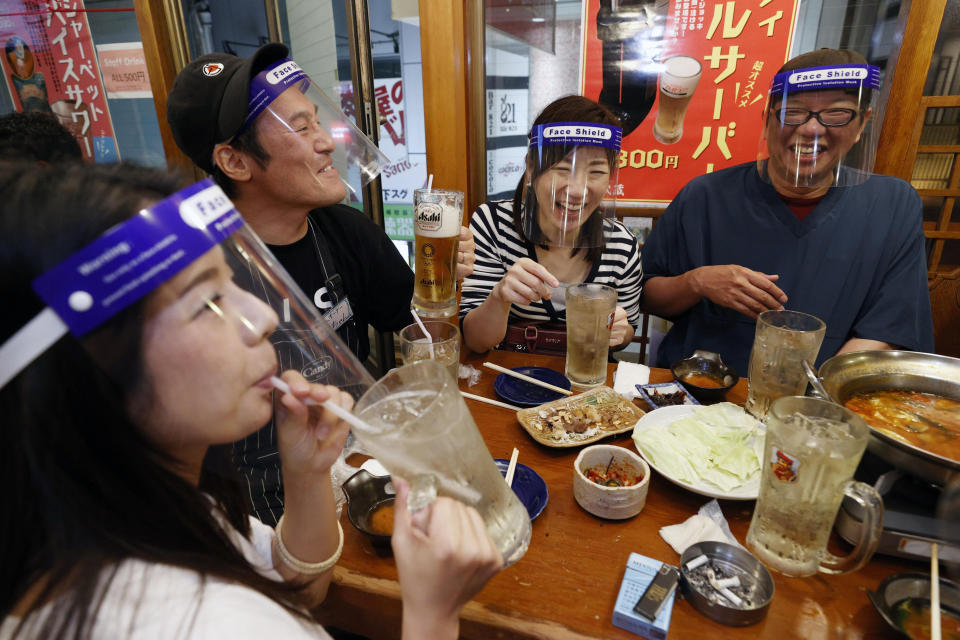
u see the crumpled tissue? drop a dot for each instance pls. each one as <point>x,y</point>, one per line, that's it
<point>707,525</point>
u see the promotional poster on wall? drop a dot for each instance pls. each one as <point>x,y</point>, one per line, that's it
<point>689,81</point>
<point>50,65</point>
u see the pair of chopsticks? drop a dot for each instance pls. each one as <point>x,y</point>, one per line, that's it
<point>510,372</point>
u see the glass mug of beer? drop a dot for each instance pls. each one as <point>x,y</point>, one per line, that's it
<point>783,340</point>
<point>811,450</point>
<point>678,81</point>
<point>590,310</point>
<point>436,227</point>
<point>419,428</point>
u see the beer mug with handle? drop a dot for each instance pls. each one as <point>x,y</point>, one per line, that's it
<point>436,226</point>
<point>418,426</point>
<point>811,450</point>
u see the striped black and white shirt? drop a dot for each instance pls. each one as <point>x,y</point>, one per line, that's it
<point>500,245</point>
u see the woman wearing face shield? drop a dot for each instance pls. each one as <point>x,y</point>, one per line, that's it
<point>127,518</point>
<point>558,230</point>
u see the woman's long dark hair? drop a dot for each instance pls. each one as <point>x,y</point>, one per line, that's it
<point>83,487</point>
<point>566,109</point>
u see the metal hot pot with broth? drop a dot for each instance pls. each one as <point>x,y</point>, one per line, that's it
<point>844,375</point>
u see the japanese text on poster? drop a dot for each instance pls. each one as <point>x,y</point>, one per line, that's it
<point>50,65</point>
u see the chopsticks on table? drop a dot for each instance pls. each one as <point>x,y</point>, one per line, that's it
<point>512,467</point>
<point>539,383</point>
<point>934,593</point>
<point>495,403</point>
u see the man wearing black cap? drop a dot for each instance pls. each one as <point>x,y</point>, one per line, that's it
<point>806,227</point>
<point>268,148</point>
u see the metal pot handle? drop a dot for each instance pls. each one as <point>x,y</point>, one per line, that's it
<point>818,388</point>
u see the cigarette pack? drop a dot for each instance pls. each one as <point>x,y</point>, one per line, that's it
<point>640,572</point>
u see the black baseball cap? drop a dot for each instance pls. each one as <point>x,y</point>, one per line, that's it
<point>208,102</point>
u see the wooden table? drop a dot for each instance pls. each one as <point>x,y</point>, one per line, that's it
<point>567,583</point>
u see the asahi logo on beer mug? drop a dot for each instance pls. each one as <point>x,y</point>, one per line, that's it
<point>678,81</point>
<point>436,227</point>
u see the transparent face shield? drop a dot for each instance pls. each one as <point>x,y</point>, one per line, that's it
<point>567,193</point>
<point>291,108</point>
<point>198,270</point>
<point>819,127</point>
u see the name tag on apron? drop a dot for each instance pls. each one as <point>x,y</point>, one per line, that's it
<point>340,313</point>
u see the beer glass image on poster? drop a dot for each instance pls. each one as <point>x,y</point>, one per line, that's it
<point>418,426</point>
<point>436,226</point>
<point>678,81</point>
<point>590,309</point>
<point>783,340</point>
<point>811,450</point>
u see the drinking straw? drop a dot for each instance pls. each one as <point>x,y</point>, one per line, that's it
<point>430,182</point>
<point>934,593</point>
<point>539,383</point>
<point>425,332</point>
<point>467,495</point>
<point>512,467</point>
<point>334,408</point>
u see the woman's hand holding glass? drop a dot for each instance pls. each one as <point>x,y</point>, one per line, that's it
<point>621,330</point>
<point>466,253</point>
<point>444,558</point>
<point>309,438</point>
<point>525,282</point>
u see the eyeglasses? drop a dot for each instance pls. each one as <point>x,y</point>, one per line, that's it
<point>827,117</point>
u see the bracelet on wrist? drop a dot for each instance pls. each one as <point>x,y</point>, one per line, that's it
<point>307,568</point>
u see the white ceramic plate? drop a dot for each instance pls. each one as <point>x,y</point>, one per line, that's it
<point>667,415</point>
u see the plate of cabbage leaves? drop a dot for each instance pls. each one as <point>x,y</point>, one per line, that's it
<point>713,450</point>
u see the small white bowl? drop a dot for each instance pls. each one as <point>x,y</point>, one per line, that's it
<point>615,503</point>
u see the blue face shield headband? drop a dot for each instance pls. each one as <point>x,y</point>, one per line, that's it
<point>571,183</point>
<point>818,127</point>
<point>134,258</point>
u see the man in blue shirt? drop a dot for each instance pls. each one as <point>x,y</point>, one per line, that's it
<point>807,228</point>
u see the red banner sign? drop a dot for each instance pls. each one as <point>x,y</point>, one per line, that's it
<point>50,65</point>
<point>644,67</point>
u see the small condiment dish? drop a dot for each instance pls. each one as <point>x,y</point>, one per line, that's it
<point>898,596</point>
<point>754,588</point>
<point>365,494</point>
<point>705,363</point>
<point>613,502</point>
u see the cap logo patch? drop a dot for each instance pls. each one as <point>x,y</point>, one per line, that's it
<point>212,69</point>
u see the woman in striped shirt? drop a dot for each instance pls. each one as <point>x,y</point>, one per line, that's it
<point>523,263</point>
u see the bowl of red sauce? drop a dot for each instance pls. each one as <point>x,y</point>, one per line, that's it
<point>705,376</point>
<point>610,481</point>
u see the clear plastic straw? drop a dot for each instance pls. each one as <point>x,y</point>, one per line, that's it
<point>419,322</point>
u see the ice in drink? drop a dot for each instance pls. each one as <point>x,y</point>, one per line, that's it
<point>783,340</point>
<point>808,462</point>
<point>422,430</point>
<point>678,81</point>
<point>443,352</point>
<point>436,218</point>
<point>590,310</point>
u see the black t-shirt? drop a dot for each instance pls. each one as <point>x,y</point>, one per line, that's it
<point>378,283</point>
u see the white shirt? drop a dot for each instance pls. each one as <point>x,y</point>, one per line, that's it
<point>146,601</point>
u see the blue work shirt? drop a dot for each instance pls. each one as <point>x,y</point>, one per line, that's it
<point>857,261</point>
